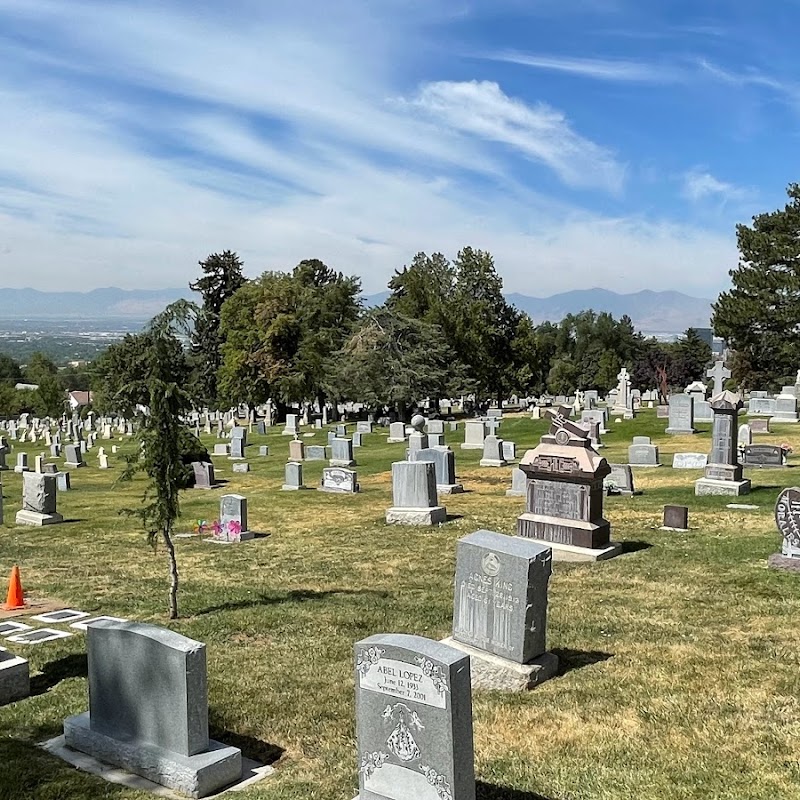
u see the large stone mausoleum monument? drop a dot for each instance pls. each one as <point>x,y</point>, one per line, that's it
<point>564,500</point>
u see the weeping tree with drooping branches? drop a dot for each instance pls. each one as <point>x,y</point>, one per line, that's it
<point>162,436</point>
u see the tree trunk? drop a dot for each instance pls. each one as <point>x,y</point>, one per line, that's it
<point>173,575</point>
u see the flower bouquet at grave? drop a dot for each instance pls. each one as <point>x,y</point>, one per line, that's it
<point>787,449</point>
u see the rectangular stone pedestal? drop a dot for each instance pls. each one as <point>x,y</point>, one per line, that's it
<point>416,516</point>
<point>489,671</point>
<point>571,552</point>
<point>555,531</point>
<point>195,776</point>
<point>36,519</point>
<point>785,563</point>
<point>14,677</point>
<point>706,486</point>
<point>449,488</point>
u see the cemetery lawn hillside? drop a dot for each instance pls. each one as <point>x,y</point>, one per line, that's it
<point>680,659</point>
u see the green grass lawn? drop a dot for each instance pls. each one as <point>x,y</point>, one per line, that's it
<point>680,659</point>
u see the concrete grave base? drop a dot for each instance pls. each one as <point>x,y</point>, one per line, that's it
<point>489,671</point>
<point>394,441</point>
<point>450,488</point>
<point>252,771</point>
<point>74,464</point>
<point>287,488</point>
<point>14,677</point>
<point>515,493</point>
<point>493,462</point>
<point>416,516</point>
<point>644,466</point>
<point>466,446</point>
<point>341,462</point>
<point>571,552</point>
<point>36,519</point>
<point>784,563</point>
<point>676,530</point>
<point>244,536</point>
<point>195,776</point>
<point>709,486</point>
<point>20,470</point>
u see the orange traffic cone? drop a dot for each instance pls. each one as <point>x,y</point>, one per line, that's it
<point>15,599</point>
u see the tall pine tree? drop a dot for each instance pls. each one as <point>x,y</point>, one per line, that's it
<point>222,276</point>
<point>760,315</point>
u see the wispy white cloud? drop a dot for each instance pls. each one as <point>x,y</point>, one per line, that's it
<point>625,70</point>
<point>699,184</point>
<point>140,137</point>
<point>538,131</point>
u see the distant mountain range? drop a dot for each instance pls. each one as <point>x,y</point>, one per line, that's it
<point>135,304</point>
<point>651,312</point>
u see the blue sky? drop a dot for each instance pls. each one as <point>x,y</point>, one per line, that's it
<point>611,143</point>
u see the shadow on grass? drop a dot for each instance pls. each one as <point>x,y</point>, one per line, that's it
<point>254,749</point>
<point>72,666</point>
<point>454,517</point>
<point>635,547</point>
<point>74,520</point>
<point>569,659</point>
<point>293,596</point>
<point>488,791</point>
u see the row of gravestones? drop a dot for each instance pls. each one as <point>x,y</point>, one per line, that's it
<point>148,703</point>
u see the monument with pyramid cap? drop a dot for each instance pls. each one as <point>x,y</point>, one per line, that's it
<point>564,498</point>
<point>724,472</point>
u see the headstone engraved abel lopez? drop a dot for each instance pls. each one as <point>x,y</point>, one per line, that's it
<point>413,720</point>
<point>787,518</point>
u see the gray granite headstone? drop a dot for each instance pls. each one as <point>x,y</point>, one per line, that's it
<point>414,498</point>
<point>413,720</point>
<point>435,426</point>
<point>787,518</point>
<point>237,446</point>
<point>689,461</point>
<point>14,677</point>
<point>619,480</point>
<point>339,480</point>
<point>263,450</point>
<point>293,477</point>
<point>397,432</point>
<point>763,406</point>
<point>241,466</point>
<point>763,455</point>
<point>745,435</point>
<point>363,427</point>
<point>474,434</point>
<point>681,415</point>
<point>342,453</point>
<point>291,427</point>
<point>676,518</point>
<point>493,455</point>
<point>38,500</point>
<point>444,462</point>
<point>519,481</point>
<point>233,518</point>
<point>63,483</point>
<point>643,453</point>
<point>316,452</point>
<point>759,425</point>
<point>221,449</point>
<point>356,438</point>
<point>203,475</point>
<point>148,709</point>
<point>500,603</point>
<point>22,463</point>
